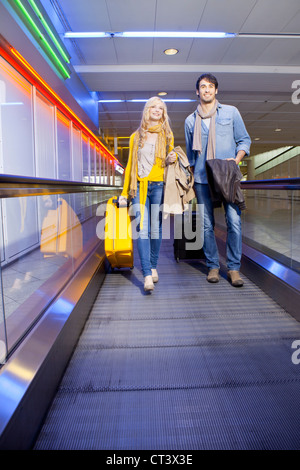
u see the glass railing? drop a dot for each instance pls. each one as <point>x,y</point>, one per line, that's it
<point>48,229</point>
<point>271,222</point>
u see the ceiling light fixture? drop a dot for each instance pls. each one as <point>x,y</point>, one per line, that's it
<point>149,34</point>
<point>162,93</point>
<point>171,51</point>
<point>269,35</point>
<point>175,100</point>
<point>111,101</point>
<point>144,100</point>
<point>177,34</point>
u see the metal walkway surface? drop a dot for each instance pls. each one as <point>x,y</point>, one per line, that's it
<point>191,366</point>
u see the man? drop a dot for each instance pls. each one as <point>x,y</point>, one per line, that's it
<point>216,131</point>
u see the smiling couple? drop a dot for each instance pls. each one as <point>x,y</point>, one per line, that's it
<point>212,131</point>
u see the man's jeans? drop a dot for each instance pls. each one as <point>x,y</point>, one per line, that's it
<point>149,238</point>
<point>234,230</point>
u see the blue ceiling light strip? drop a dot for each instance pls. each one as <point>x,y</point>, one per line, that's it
<point>149,34</point>
<point>177,34</point>
<point>144,100</point>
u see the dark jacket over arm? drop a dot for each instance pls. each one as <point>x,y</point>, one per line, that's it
<point>224,178</point>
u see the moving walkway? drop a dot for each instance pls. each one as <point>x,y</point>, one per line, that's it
<point>192,366</point>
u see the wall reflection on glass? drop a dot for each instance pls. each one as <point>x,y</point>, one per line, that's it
<point>61,229</point>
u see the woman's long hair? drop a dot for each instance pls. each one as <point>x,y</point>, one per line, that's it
<point>145,121</point>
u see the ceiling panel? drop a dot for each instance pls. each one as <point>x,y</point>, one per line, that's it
<point>293,25</point>
<point>280,52</point>
<point>131,15</point>
<point>85,16</point>
<point>178,16</point>
<point>133,51</point>
<point>227,16</point>
<point>97,51</point>
<point>268,16</point>
<point>244,50</point>
<point>208,51</point>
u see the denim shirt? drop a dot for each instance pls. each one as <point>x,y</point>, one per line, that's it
<point>231,136</point>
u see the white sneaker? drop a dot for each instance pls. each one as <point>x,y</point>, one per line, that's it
<point>148,284</point>
<point>154,275</point>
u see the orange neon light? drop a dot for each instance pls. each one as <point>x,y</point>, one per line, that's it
<point>52,93</point>
<point>63,119</point>
<point>16,78</point>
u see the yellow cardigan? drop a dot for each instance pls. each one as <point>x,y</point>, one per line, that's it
<point>156,174</point>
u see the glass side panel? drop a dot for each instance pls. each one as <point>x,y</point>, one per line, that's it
<point>44,242</point>
<point>295,231</point>
<point>3,346</point>
<point>270,224</point>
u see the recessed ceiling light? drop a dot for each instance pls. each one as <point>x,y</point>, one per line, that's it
<point>277,130</point>
<point>171,51</point>
<point>162,93</point>
<point>257,138</point>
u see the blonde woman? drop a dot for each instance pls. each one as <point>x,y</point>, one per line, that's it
<point>150,150</point>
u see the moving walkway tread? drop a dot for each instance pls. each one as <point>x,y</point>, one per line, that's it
<point>192,366</point>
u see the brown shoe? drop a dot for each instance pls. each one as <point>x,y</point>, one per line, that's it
<point>235,278</point>
<point>213,275</point>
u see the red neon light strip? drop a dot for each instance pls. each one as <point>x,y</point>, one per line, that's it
<point>40,84</point>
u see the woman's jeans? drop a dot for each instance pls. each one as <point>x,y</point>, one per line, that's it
<point>234,230</point>
<point>150,236</point>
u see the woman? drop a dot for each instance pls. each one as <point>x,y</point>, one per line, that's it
<point>144,176</point>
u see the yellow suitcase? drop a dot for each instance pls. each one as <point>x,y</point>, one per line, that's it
<point>118,235</point>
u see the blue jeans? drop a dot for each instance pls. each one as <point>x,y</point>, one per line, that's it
<point>150,236</point>
<point>234,231</point>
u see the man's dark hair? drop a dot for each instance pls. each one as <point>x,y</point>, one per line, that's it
<point>210,78</point>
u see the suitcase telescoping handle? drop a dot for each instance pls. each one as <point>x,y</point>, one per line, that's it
<point>116,201</point>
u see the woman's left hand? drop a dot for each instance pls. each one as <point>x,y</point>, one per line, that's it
<point>171,157</point>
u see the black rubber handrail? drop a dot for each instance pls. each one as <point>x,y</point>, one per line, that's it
<point>16,186</point>
<point>279,183</point>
